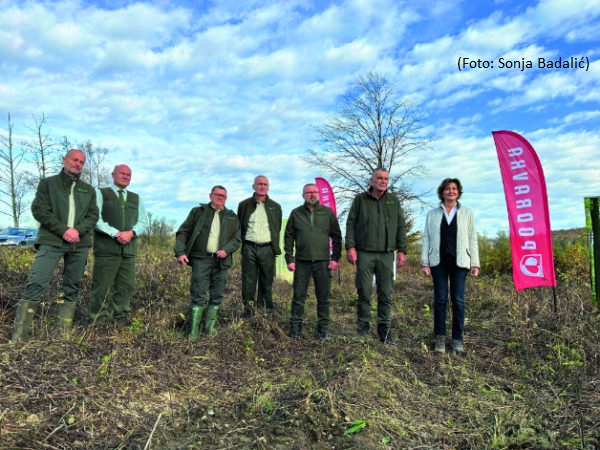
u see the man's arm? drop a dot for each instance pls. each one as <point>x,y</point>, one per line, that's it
<point>42,211</point>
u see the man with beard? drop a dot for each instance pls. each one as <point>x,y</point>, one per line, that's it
<point>309,229</point>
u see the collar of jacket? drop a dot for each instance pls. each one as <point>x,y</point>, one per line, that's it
<point>67,179</point>
<point>370,192</point>
<point>257,202</point>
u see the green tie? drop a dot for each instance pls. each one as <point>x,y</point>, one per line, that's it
<point>121,198</point>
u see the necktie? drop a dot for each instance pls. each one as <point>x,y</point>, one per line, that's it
<point>121,198</point>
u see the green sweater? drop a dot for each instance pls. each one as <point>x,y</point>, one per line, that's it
<point>310,232</point>
<point>376,224</point>
<point>50,208</point>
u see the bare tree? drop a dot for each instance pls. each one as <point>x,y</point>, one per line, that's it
<point>373,128</point>
<point>13,184</point>
<point>44,151</point>
<point>95,171</point>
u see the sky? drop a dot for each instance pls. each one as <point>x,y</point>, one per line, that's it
<point>191,94</point>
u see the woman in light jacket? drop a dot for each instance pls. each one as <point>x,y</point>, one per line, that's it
<point>450,252</point>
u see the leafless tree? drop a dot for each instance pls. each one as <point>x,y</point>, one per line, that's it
<point>373,128</point>
<point>43,150</point>
<point>13,184</point>
<point>95,171</point>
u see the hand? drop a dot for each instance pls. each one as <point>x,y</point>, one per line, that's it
<point>291,267</point>
<point>221,254</point>
<point>71,236</point>
<point>124,237</point>
<point>351,255</point>
<point>474,271</point>
<point>426,270</point>
<point>400,259</point>
<point>183,260</point>
<point>333,265</point>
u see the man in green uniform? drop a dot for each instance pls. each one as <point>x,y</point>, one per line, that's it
<point>206,240</point>
<point>122,219</point>
<point>374,230</point>
<point>260,219</point>
<point>309,229</point>
<point>66,209</point>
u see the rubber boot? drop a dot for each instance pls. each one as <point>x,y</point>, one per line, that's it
<point>64,322</point>
<point>195,318</point>
<point>23,319</point>
<point>211,319</point>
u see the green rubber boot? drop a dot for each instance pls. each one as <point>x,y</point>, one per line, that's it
<point>195,318</point>
<point>64,321</point>
<point>211,319</point>
<point>23,319</point>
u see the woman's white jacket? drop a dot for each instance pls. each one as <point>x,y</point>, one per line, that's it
<point>467,248</point>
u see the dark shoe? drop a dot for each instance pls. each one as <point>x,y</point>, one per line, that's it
<point>123,321</point>
<point>389,341</point>
<point>457,346</point>
<point>383,331</point>
<point>440,344</point>
<point>363,328</point>
<point>248,311</point>
<point>323,336</point>
<point>294,334</point>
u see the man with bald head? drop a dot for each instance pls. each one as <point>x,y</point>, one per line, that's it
<point>123,219</point>
<point>66,210</point>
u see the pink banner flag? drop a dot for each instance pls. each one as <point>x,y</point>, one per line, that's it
<point>326,196</point>
<point>528,215</point>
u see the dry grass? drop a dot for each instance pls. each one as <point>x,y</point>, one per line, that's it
<point>530,377</point>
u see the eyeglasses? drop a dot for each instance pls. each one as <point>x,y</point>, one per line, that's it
<point>311,192</point>
<point>219,195</point>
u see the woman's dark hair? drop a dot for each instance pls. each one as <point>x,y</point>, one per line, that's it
<point>444,184</point>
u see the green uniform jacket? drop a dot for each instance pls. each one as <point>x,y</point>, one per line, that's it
<point>50,208</point>
<point>200,218</point>
<point>376,224</point>
<point>119,218</point>
<point>311,232</point>
<point>273,209</point>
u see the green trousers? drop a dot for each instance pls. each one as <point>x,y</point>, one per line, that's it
<point>258,267</point>
<point>112,272</point>
<point>208,282</point>
<point>321,275</point>
<point>380,264</point>
<point>42,271</point>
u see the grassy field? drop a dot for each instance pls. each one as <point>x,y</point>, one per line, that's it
<point>530,377</point>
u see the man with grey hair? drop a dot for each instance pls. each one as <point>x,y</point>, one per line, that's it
<point>260,220</point>
<point>374,230</point>
<point>65,207</point>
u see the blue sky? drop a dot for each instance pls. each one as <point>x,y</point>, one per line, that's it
<point>192,94</point>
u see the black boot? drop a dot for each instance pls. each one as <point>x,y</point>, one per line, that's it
<point>383,330</point>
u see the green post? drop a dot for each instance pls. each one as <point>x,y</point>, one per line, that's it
<point>592,225</point>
